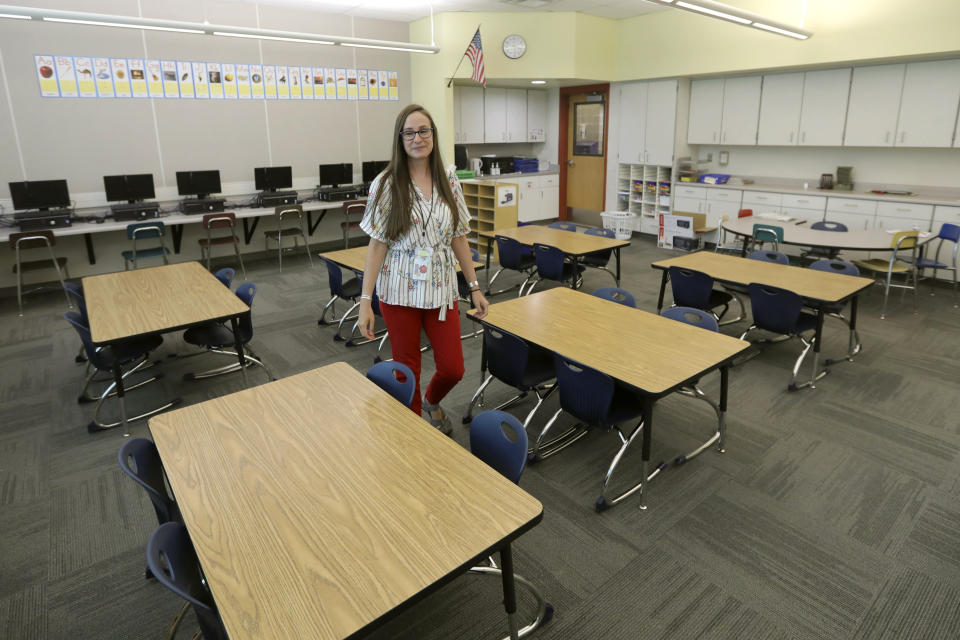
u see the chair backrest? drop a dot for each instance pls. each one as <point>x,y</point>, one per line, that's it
<point>76,294</point>
<point>603,232</point>
<point>498,438</point>
<point>246,292</point>
<point>152,229</point>
<point>354,206</point>
<point>768,256</point>
<point>139,459</point>
<point>507,355</point>
<point>828,225</point>
<point>904,240</point>
<point>32,239</point>
<point>225,276</point>
<point>690,288</point>
<point>835,266</point>
<point>173,561</point>
<point>585,393</point>
<point>510,253</point>
<point>288,211</point>
<point>219,220</point>
<point>565,226</point>
<point>96,358</point>
<point>549,261</point>
<point>615,294</point>
<point>774,309</point>
<point>475,254</point>
<point>696,317</point>
<point>395,378</point>
<point>744,213</point>
<point>949,232</point>
<point>767,232</point>
<point>334,276</point>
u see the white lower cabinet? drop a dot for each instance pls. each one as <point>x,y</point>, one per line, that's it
<point>539,198</point>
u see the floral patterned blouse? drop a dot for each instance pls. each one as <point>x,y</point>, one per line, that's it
<point>398,283</point>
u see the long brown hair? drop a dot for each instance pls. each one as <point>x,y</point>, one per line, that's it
<point>396,179</point>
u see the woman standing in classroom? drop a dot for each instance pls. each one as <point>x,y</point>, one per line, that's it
<point>417,221</point>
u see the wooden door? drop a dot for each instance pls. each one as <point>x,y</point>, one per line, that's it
<point>586,152</point>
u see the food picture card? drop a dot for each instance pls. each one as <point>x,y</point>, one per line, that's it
<point>270,82</point>
<point>155,78</point>
<point>85,84</point>
<point>185,78</point>
<point>138,78</point>
<point>372,92</point>
<point>171,84</point>
<point>104,77</point>
<point>121,77</point>
<point>394,86</point>
<point>330,83</point>
<point>201,87</point>
<point>319,91</point>
<point>243,81</point>
<point>256,81</point>
<point>215,80</point>
<point>351,84</point>
<point>382,82</point>
<point>293,79</point>
<point>306,83</point>
<point>47,76</point>
<point>283,84</point>
<point>341,84</point>
<point>363,91</point>
<point>67,77</point>
<point>229,81</point>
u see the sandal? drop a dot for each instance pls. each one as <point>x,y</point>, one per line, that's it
<point>442,423</point>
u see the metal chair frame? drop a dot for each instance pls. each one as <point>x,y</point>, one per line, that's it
<point>854,346</point>
<point>574,269</point>
<point>950,233</point>
<point>527,271</point>
<point>600,259</point>
<point>347,225</point>
<point>902,240</point>
<point>278,234</point>
<point>219,221</point>
<point>32,240</point>
<point>152,229</point>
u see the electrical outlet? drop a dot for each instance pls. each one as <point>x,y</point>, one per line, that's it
<point>724,158</point>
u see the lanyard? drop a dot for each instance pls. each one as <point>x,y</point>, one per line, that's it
<point>433,204</point>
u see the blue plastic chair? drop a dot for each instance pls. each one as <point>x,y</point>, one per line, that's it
<point>948,233</point>
<point>692,316</point>
<point>219,338</point>
<point>563,226</point>
<point>781,311</point>
<point>75,293</point>
<point>173,561</point>
<point>385,375</point>
<point>824,252</point>
<point>593,398</point>
<point>769,256</point>
<point>339,290</point>
<point>515,257</point>
<point>516,363</point>
<point>553,265</point>
<point>836,310</point>
<point>225,276</point>
<point>615,294</point>
<point>145,231</point>
<point>693,288</point>
<point>600,259</point>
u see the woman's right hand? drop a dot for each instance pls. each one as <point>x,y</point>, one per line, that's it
<point>366,319</point>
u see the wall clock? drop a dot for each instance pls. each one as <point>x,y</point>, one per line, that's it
<point>514,46</point>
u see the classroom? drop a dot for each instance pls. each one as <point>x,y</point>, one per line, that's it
<point>690,335</point>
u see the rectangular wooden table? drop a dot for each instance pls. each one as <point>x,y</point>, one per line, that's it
<point>318,505</point>
<point>654,355</point>
<point>131,304</point>
<point>571,243</point>
<point>817,288</point>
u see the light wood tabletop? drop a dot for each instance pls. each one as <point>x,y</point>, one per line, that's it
<point>356,258</point>
<point>131,303</point>
<point>318,503</point>
<point>807,283</point>
<point>570,242</point>
<point>652,353</point>
<point>804,236</point>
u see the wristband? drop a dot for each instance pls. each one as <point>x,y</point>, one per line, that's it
<point>364,296</point>
<point>471,285</point>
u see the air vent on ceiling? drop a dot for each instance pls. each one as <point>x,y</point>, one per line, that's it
<point>528,4</point>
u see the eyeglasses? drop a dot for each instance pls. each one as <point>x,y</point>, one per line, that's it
<point>425,134</point>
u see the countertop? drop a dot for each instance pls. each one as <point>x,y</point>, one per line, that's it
<point>948,199</point>
<point>514,176</point>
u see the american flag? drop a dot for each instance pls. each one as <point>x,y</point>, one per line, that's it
<point>475,53</point>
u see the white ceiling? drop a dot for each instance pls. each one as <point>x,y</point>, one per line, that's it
<point>409,10</point>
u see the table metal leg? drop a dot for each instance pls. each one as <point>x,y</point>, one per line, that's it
<point>616,252</point>
<point>663,289</point>
<point>176,230</point>
<point>509,590</point>
<point>235,324</point>
<point>311,225</point>
<point>724,382</point>
<point>88,240</point>
<point>118,380</point>
<point>816,372</point>
<point>487,266</point>
<point>855,345</point>
<point>249,228</point>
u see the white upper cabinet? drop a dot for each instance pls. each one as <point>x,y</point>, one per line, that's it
<point>494,115</point>
<point>824,110</point>
<point>457,119</point>
<point>661,122</point>
<point>536,116</point>
<point>874,106</point>
<point>471,115</point>
<point>633,121</point>
<point>516,115</point>
<point>928,110</point>
<point>780,109</point>
<point>706,111</point>
<point>741,110</point>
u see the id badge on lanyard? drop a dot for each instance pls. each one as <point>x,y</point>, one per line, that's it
<point>423,256</point>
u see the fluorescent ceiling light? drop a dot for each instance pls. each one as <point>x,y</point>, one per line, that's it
<point>379,46</point>
<point>783,32</point>
<point>713,12</point>
<point>14,16</point>
<point>538,82</point>
<point>263,37</point>
<point>98,23</point>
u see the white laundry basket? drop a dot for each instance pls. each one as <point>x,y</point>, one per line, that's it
<point>620,221</point>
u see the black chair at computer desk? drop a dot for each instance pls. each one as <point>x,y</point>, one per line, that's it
<point>282,213</point>
<point>30,240</point>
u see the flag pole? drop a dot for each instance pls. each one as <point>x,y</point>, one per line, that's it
<point>461,61</point>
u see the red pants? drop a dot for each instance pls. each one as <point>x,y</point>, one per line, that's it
<point>403,326</point>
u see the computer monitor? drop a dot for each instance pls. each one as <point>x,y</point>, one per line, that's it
<point>333,175</point>
<point>198,183</point>
<point>39,194</point>
<point>132,188</point>
<point>372,168</point>
<point>273,178</point>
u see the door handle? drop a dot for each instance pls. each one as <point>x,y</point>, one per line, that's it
<point>903,134</point>
<point>569,163</point>
<point>791,137</point>
<point>886,138</point>
<point>804,137</point>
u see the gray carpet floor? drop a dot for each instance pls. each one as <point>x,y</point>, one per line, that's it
<point>834,513</point>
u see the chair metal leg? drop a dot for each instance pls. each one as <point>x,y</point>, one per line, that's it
<point>249,358</point>
<point>717,437</point>
<point>740,316</point>
<point>280,251</point>
<point>175,623</point>
<point>544,448</point>
<point>236,250</point>
<point>306,244</point>
<point>322,321</point>
<point>96,425</point>
<point>540,400</point>
<point>544,610</point>
<point>476,401</point>
<point>817,373</point>
<point>346,316</point>
<point>606,500</point>
<point>19,284</point>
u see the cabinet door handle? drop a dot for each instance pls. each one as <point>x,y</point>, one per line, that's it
<point>848,204</point>
<point>903,209</point>
<point>803,201</point>
<point>714,136</point>
<point>903,134</point>
<point>804,137</point>
<point>791,137</point>
<point>886,138</point>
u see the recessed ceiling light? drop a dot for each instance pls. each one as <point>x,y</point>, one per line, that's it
<point>538,82</point>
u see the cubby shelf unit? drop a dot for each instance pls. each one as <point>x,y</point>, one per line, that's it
<point>646,191</point>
